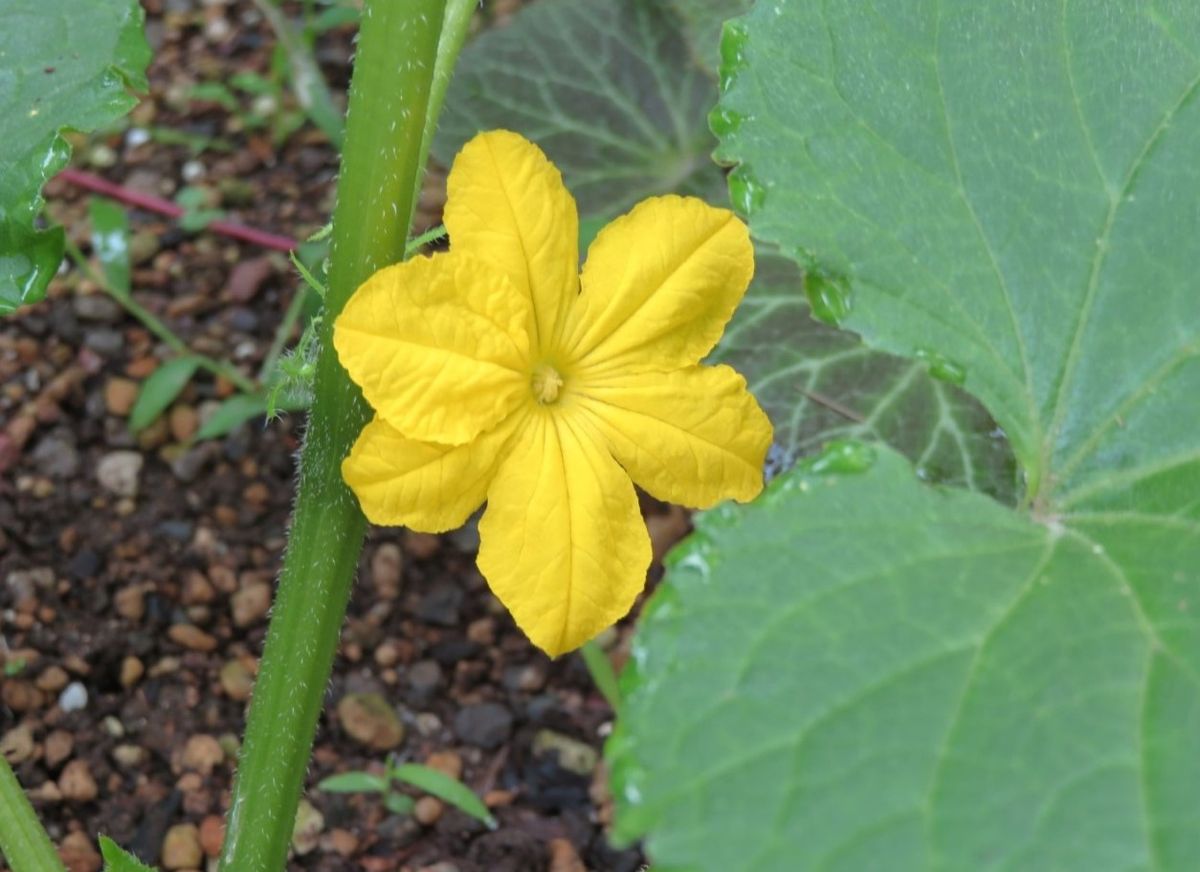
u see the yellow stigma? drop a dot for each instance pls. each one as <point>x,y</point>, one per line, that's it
<point>546,384</point>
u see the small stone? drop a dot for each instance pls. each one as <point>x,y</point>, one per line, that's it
<point>369,720</point>
<point>203,754</point>
<point>440,606</point>
<point>78,855</point>
<point>212,835</point>
<point>183,421</point>
<point>129,756</point>
<point>307,830</point>
<point>96,307</point>
<point>442,866</point>
<point>573,755</point>
<point>119,396</point>
<point>525,678</point>
<point>188,466</point>
<point>113,727</point>
<point>341,842</point>
<point>73,698</point>
<point>197,590</point>
<point>422,546</point>
<point>118,472</point>
<point>424,678</point>
<point>428,810</point>
<point>446,762</point>
<point>25,583</point>
<point>251,604</point>
<point>181,848</point>
<point>564,857</point>
<point>53,679</point>
<point>498,798</point>
<point>237,680</point>
<point>482,631</point>
<point>57,456</point>
<point>191,637</point>
<point>104,341</point>
<point>130,602</point>
<point>247,277</point>
<point>58,747</point>
<point>132,670</point>
<point>387,570</point>
<point>486,725</point>
<point>388,653</point>
<point>77,783</point>
<point>17,744</point>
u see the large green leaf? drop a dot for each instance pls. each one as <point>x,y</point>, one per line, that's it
<point>63,64</point>
<point>1009,186</point>
<point>818,383</point>
<point>865,672</point>
<point>862,672</point>
<point>607,87</point>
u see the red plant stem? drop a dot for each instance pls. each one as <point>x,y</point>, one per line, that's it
<point>165,207</point>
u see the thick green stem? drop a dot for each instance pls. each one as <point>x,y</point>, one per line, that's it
<point>389,100</point>
<point>23,842</point>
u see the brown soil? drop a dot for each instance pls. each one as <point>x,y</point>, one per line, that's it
<point>152,604</point>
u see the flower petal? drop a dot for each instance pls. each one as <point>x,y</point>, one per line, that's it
<point>438,346</point>
<point>694,436</point>
<point>562,542</point>
<point>507,204</point>
<point>662,280</point>
<point>422,485</point>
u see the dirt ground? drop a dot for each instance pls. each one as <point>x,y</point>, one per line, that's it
<point>137,570</point>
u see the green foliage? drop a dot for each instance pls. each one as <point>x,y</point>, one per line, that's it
<point>62,65</point>
<point>608,88</point>
<point>861,671</point>
<point>424,778</point>
<point>110,243</point>
<point>117,859</point>
<point>160,389</point>
<point>818,384</point>
<point>231,414</point>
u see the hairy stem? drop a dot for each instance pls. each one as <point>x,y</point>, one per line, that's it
<point>385,124</point>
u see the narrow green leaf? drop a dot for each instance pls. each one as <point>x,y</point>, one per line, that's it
<point>353,782</point>
<point>444,787</point>
<point>160,389</point>
<point>398,803</point>
<point>110,242</point>
<point>608,88</point>
<point>232,413</point>
<point>117,859</point>
<point>64,65</point>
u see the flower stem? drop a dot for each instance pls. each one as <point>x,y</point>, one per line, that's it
<point>389,101</point>
<point>23,842</point>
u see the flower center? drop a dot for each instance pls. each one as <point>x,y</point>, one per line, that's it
<point>546,384</point>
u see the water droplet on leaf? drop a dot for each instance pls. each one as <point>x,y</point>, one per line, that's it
<point>828,297</point>
<point>843,456</point>
<point>746,192</point>
<point>733,52</point>
<point>942,367</point>
<point>723,121</point>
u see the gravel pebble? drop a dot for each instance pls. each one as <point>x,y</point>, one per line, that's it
<point>486,725</point>
<point>118,472</point>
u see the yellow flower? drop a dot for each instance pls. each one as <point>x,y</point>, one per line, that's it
<point>498,372</point>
